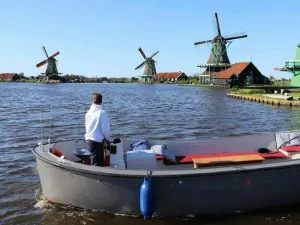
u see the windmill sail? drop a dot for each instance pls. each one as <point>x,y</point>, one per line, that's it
<point>218,47</point>
<point>51,63</point>
<point>149,64</point>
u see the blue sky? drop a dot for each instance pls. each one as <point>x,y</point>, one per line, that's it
<point>97,37</point>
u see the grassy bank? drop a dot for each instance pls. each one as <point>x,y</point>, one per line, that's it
<point>259,93</point>
<point>248,92</point>
<point>256,92</point>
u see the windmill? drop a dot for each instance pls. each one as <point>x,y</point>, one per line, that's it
<point>149,63</point>
<point>51,67</point>
<point>218,59</point>
<point>293,67</point>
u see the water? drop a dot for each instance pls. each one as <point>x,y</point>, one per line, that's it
<point>135,110</point>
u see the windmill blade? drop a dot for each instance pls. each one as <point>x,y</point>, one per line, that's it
<point>202,42</point>
<point>139,66</point>
<point>214,24</point>
<point>41,63</point>
<point>55,54</point>
<point>141,51</point>
<point>218,25</point>
<point>151,56</point>
<point>236,36</point>
<point>45,52</point>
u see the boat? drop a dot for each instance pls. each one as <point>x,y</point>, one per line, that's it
<point>188,177</point>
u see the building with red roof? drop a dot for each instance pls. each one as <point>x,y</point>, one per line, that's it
<point>170,76</point>
<point>9,77</point>
<point>240,73</point>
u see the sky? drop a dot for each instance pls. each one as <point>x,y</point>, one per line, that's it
<point>102,37</point>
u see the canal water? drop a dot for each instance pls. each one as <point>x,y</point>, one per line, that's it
<point>30,113</point>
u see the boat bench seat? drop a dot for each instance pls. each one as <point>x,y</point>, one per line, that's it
<point>291,148</point>
<point>237,159</point>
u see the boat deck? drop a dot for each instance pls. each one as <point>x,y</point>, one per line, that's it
<point>230,153</point>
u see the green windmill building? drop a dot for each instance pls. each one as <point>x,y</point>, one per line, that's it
<point>149,64</point>
<point>293,66</point>
<point>51,70</point>
<point>218,59</point>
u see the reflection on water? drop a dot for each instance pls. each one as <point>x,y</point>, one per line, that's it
<point>136,110</point>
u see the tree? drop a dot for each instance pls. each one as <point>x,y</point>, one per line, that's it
<point>21,75</point>
<point>133,79</point>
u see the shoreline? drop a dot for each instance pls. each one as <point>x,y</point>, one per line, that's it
<point>118,82</point>
<point>265,100</point>
<point>204,85</point>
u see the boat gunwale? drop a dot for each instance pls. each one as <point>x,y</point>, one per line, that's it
<point>107,171</point>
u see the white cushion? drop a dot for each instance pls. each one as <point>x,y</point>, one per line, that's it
<point>158,149</point>
<point>295,141</point>
<point>283,137</point>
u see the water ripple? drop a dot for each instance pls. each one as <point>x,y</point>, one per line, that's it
<point>30,112</point>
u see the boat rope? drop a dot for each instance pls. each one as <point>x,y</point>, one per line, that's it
<point>74,113</point>
<point>149,174</point>
<point>41,126</point>
<point>50,125</point>
<point>50,121</point>
<point>125,159</point>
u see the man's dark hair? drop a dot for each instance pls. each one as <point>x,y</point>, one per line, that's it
<point>97,98</point>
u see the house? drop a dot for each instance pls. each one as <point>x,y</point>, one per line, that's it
<point>55,77</point>
<point>241,73</point>
<point>9,77</point>
<point>170,76</point>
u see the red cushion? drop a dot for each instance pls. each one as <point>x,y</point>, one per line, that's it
<point>293,148</point>
<point>273,155</point>
<point>159,157</point>
<point>56,152</point>
<point>188,158</point>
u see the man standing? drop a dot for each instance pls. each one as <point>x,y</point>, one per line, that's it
<point>97,129</point>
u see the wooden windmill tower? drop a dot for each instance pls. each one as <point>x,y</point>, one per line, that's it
<point>149,63</point>
<point>218,59</point>
<point>51,64</point>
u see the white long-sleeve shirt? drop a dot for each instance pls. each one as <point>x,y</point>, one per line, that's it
<point>97,124</point>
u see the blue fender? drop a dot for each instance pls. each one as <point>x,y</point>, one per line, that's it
<point>147,199</point>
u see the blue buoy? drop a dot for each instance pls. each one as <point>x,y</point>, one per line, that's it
<point>147,198</point>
